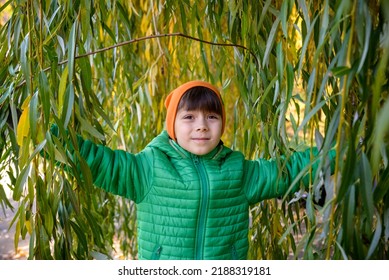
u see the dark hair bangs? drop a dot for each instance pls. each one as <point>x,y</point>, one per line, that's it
<point>201,98</point>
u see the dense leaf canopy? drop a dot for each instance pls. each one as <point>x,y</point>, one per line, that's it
<point>292,73</point>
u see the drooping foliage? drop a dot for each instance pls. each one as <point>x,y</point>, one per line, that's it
<point>293,74</point>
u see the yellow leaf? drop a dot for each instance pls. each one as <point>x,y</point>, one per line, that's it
<point>62,88</point>
<point>28,226</point>
<point>144,24</point>
<point>24,122</point>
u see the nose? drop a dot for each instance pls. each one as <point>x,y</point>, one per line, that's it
<point>202,124</point>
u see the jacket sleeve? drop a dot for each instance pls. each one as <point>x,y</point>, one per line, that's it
<point>114,171</point>
<point>266,179</point>
<point>117,171</point>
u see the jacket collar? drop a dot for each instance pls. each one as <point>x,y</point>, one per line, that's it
<point>170,147</point>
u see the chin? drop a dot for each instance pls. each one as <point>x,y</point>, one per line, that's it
<point>200,153</point>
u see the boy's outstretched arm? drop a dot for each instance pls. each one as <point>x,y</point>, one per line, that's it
<point>115,171</point>
<point>272,178</point>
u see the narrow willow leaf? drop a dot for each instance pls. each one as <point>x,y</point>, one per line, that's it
<point>310,209</point>
<point>96,229</point>
<point>17,235</point>
<point>23,127</point>
<point>68,105</point>
<point>306,41</point>
<point>380,130</point>
<point>343,252</point>
<point>5,5</point>
<point>125,19</point>
<point>302,4</point>
<point>90,129</point>
<point>62,88</point>
<point>366,187</point>
<point>350,214</point>
<point>72,196</point>
<point>376,238</point>
<point>382,187</point>
<point>85,18</point>
<point>319,139</point>
<point>4,96</point>
<point>85,75</point>
<point>284,15</point>
<point>38,149</point>
<point>324,23</point>
<point>80,234</point>
<point>20,182</point>
<point>72,50</point>
<point>289,80</point>
<point>139,113</point>
<point>365,36</point>
<point>48,222</point>
<point>45,93</point>
<point>24,59</point>
<point>33,115</point>
<point>270,42</point>
<point>341,71</point>
<point>86,174</point>
<point>280,62</point>
<point>264,11</point>
<point>310,115</point>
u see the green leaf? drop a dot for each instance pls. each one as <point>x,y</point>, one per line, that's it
<point>45,94</point>
<point>306,41</point>
<point>381,127</point>
<point>80,235</point>
<point>67,105</point>
<point>284,15</point>
<point>280,62</point>
<point>72,50</point>
<point>23,58</point>
<point>376,238</point>
<point>33,112</point>
<point>96,228</point>
<point>85,75</point>
<point>365,36</point>
<point>349,214</point>
<point>341,71</point>
<point>62,88</point>
<point>290,80</point>
<point>20,182</point>
<point>366,187</point>
<point>270,42</point>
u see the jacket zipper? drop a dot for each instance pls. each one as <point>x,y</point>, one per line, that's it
<point>234,253</point>
<point>157,253</point>
<point>199,246</point>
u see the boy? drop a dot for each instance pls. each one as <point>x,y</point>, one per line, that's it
<point>192,193</point>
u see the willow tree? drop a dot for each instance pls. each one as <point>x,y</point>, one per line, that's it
<point>293,74</point>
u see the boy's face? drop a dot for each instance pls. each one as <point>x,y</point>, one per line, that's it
<point>198,132</point>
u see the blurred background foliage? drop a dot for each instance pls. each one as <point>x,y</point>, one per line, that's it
<point>292,73</point>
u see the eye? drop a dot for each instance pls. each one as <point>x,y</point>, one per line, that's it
<point>187,117</point>
<point>213,116</point>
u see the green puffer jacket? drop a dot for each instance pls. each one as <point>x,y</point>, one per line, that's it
<point>188,206</point>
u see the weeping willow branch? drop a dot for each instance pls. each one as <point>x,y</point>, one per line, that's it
<point>153,37</point>
<point>166,35</point>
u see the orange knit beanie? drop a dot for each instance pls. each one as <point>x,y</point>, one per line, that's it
<point>173,99</point>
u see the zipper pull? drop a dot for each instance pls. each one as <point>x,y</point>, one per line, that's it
<point>157,253</point>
